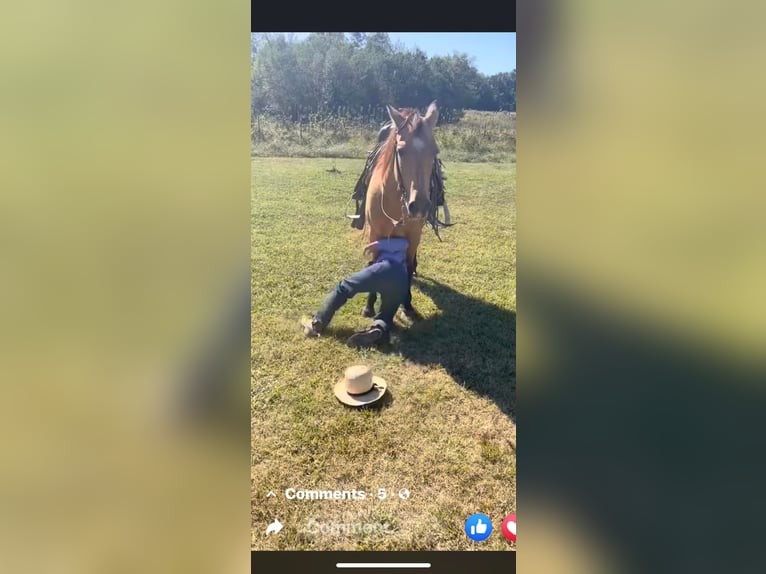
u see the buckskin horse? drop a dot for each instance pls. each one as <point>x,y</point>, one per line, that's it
<point>398,202</point>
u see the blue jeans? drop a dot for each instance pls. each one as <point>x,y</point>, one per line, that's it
<point>384,277</point>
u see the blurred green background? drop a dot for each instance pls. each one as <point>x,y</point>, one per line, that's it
<point>124,170</point>
<point>641,321</point>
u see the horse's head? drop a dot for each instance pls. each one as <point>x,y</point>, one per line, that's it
<point>416,152</point>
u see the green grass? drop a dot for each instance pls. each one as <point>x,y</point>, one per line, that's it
<point>448,430</point>
<point>477,137</point>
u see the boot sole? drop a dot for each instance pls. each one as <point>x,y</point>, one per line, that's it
<point>365,339</point>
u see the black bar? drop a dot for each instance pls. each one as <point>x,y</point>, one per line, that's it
<point>325,562</point>
<point>321,17</point>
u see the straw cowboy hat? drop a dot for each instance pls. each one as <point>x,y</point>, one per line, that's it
<point>360,387</point>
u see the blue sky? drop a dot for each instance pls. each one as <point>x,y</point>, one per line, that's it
<point>493,52</point>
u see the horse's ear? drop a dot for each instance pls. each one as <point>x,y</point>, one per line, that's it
<point>396,116</point>
<point>432,114</point>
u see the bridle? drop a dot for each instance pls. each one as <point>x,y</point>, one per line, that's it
<point>403,191</point>
<point>399,179</point>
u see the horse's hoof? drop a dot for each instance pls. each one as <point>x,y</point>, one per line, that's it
<point>367,312</point>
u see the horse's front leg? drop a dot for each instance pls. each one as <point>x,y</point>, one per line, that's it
<point>369,307</point>
<point>407,307</point>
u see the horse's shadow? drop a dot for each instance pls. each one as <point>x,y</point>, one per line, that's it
<point>474,341</point>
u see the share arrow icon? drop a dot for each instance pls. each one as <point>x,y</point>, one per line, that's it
<point>275,527</point>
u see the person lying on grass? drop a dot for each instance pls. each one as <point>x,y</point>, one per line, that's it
<point>386,275</point>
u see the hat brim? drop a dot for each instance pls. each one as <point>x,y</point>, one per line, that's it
<point>379,387</point>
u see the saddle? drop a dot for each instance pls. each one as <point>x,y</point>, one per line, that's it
<point>360,191</point>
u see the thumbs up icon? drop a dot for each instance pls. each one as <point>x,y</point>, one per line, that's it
<point>478,527</point>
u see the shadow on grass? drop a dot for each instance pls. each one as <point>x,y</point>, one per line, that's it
<point>474,341</point>
<point>385,402</point>
<point>342,334</point>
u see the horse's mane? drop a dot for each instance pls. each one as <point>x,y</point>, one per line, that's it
<point>386,158</point>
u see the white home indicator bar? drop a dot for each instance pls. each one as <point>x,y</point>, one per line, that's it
<point>383,565</point>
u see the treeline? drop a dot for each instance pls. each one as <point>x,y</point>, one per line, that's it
<point>356,74</point>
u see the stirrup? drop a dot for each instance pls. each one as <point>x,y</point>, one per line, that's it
<point>357,216</point>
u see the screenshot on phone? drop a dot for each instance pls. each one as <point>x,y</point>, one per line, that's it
<point>383,262</point>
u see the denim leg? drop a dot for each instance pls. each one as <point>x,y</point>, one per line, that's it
<point>393,293</point>
<point>362,282</point>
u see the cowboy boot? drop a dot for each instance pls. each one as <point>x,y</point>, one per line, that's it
<point>311,326</point>
<point>373,335</point>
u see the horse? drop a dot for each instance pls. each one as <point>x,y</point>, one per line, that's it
<point>398,202</point>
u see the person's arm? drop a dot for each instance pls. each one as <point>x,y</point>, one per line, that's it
<point>372,249</point>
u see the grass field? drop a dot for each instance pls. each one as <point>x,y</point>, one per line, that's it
<point>448,431</point>
<point>477,137</point>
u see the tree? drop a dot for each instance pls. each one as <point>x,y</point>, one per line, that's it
<point>358,39</point>
<point>378,41</point>
<point>504,88</point>
<point>282,86</point>
<point>361,71</point>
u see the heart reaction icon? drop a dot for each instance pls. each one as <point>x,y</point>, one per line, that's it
<point>509,527</point>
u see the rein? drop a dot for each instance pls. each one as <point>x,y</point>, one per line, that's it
<point>436,192</point>
<point>399,180</point>
<point>432,218</point>
<point>400,188</point>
